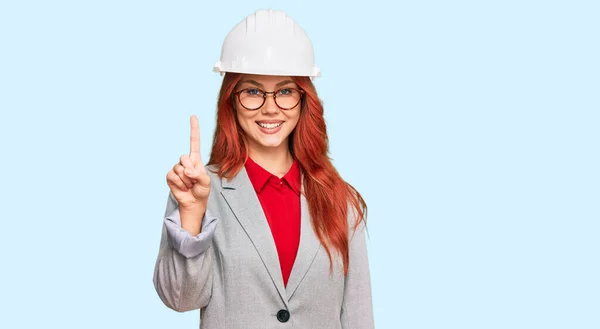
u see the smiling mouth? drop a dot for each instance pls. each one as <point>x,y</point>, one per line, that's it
<point>269,125</point>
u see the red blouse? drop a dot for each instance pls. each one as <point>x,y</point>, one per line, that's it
<point>280,200</point>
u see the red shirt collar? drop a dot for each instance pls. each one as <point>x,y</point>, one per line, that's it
<point>260,176</point>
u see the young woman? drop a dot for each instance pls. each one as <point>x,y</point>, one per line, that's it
<point>267,234</point>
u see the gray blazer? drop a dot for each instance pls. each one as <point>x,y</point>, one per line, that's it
<point>230,271</point>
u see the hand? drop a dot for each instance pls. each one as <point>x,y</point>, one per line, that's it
<point>188,180</point>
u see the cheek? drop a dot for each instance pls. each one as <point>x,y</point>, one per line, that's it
<point>244,121</point>
<point>294,120</point>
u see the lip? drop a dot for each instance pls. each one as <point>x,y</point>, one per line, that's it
<point>269,131</point>
<point>270,121</point>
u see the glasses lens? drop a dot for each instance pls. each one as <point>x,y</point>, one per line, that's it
<point>288,98</point>
<point>252,98</point>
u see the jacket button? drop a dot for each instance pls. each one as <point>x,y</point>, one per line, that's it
<point>283,316</point>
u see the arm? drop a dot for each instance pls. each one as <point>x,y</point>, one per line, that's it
<point>183,269</point>
<point>357,308</point>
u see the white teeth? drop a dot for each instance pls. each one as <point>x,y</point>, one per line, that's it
<point>269,125</point>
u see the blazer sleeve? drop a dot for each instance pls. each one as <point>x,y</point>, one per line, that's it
<point>357,307</point>
<point>183,269</point>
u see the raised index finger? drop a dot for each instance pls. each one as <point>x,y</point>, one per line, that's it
<point>194,138</point>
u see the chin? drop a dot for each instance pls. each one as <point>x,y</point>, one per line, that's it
<point>272,142</point>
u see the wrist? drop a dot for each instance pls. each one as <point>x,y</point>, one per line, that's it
<point>194,207</point>
<point>191,218</point>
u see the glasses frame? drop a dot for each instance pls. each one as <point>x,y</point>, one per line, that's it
<point>265,93</point>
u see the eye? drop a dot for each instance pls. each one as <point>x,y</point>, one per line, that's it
<point>253,92</point>
<point>285,92</point>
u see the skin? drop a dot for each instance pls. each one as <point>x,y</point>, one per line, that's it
<point>271,151</point>
<point>188,181</point>
<point>190,184</point>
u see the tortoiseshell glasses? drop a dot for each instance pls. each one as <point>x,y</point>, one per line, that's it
<point>254,98</point>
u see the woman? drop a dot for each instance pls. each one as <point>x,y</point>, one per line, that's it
<point>267,235</point>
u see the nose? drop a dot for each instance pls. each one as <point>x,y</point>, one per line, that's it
<point>269,106</point>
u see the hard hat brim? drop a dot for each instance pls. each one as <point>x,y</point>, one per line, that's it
<point>218,67</point>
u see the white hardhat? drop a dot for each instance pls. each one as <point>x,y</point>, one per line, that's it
<point>268,42</point>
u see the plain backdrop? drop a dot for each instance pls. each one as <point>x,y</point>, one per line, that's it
<point>470,127</point>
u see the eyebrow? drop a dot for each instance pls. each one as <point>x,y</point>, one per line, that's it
<point>260,85</point>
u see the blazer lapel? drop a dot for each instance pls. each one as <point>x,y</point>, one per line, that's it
<point>244,203</point>
<point>307,250</point>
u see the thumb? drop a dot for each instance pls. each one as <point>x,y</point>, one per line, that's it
<point>191,172</point>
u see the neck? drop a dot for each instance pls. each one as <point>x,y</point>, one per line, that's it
<point>277,161</point>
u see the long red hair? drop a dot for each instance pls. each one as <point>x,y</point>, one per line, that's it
<point>327,194</point>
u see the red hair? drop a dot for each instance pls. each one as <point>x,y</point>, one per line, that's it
<point>327,194</point>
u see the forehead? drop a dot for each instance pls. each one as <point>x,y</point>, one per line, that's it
<point>265,80</point>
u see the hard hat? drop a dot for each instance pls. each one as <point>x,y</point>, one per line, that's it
<point>268,42</point>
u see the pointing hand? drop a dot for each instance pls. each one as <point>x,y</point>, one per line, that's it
<point>188,180</point>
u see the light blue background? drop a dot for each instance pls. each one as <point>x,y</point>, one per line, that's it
<point>470,127</point>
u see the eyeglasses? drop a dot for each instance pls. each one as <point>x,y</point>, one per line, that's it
<point>285,98</point>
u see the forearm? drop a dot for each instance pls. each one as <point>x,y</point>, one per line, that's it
<point>183,271</point>
<point>357,309</point>
<point>182,283</point>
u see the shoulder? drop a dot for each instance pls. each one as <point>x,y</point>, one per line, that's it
<point>213,172</point>
<point>216,181</point>
<point>356,212</point>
